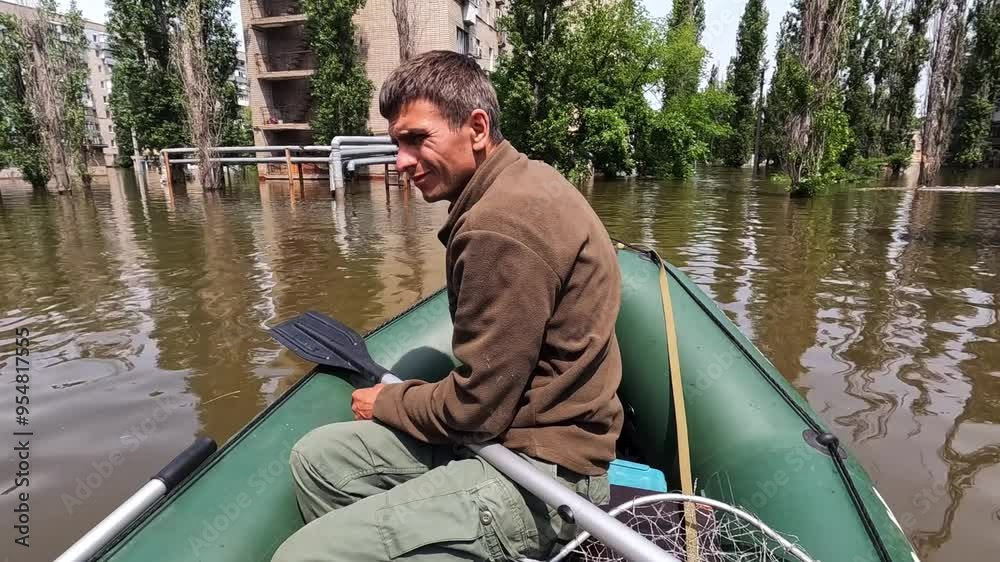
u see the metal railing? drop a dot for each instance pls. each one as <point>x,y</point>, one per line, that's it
<point>288,158</point>
<point>285,61</point>
<point>285,114</point>
<point>275,8</point>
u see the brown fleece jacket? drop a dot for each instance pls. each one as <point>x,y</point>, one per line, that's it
<point>534,291</point>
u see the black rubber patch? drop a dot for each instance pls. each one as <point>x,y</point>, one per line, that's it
<point>822,441</point>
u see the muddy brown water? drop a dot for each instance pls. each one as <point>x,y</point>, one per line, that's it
<point>146,311</point>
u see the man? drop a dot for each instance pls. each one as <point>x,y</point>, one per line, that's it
<point>534,291</point>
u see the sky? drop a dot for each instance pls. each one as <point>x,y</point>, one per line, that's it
<point>722,17</point>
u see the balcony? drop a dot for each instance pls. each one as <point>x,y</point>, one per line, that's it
<point>286,117</point>
<point>275,13</point>
<point>288,65</point>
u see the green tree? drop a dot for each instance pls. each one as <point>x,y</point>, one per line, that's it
<point>220,48</point>
<point>742,80</point>
<point>573,89</point>
<point>980,87</point>
<point>861,64</point>
<point>147,93</point>
<point>73,46</point>
<point>688,11</point>
<point>20,135</point>
<point>806,129</point>
<point>340,89</point>
<point>713,78</point>
<point>529,81</point>
<point>55,74</point>
<point>146,97</point>
<point>787,86</point>
<point>901,101</point>
<point>682,62</point>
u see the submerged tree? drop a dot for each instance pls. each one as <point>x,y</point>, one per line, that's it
<point>942,86</point>
<point>146,98</point>
<point>785,88</point>
<point>55,80</point>
<point>861,59</point>
<point>201,102</point>
<point>815,131</point>
<point>741,81</point>
<point>340,89</point>
<point>901,97</point>
<point>573,89</point>
<point>20,134</point>
<point>980,87</point>
<point>690,123</point>
<point>220,47</point>
<point>530,77</point>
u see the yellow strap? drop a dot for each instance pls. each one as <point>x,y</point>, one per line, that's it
<point>680,414</point>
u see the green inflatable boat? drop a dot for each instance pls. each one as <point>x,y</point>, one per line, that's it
<point>754,442</point>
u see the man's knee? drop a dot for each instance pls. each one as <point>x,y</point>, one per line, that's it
<point>335,448</point>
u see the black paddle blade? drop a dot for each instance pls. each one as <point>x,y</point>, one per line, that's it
<point>318,338</point>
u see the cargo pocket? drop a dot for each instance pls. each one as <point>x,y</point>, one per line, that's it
<point>502,513</point>
<point>449,518</point>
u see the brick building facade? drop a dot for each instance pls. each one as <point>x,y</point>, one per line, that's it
<point>280,64</point>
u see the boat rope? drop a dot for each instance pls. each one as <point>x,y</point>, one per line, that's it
<point>680,414</point>
<point>825,438</point>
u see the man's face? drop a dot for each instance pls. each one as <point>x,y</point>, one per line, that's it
<point>439,160</point>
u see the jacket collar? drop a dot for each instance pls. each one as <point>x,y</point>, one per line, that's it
<point>502,156</point>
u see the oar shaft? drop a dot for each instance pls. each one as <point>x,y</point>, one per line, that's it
<point>166,480</point>
<point>89,544</point>
<point>613,533</point>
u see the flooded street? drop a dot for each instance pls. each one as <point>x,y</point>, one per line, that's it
<point>147,313</point>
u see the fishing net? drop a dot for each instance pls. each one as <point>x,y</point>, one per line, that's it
<point>690,528</point>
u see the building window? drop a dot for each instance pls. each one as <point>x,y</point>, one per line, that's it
<point>489,61</point>
<point>479,49</point>
<point>105,99</point>
<point>461,40</point>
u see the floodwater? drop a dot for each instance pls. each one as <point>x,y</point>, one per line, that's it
<point>147,310</point>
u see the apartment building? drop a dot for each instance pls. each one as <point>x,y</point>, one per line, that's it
<point>281,65</point>
<point>97,99</point>
<point>241,80</point>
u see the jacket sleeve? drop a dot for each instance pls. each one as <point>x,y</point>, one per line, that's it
<point>506,295</point>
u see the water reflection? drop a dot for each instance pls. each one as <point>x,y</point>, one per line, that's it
<point>148,308</point>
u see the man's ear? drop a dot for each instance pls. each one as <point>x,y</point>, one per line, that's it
<point>479,122</point>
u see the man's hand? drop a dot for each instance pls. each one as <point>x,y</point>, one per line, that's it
<point>363,402</point>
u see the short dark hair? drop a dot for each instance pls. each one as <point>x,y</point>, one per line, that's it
<point>453,82</point>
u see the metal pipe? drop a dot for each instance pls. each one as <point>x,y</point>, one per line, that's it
<point>626,542</point>
<point>370,149</point>
<point>311,159</point>
<point>165,481</point>
<point>339,141</point>
<point>352,164</point>
<point>263,148</point>
<point>96,538</point>
<point>336,170</point>
<point>233,160</point>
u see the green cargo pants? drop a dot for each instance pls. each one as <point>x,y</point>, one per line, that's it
<point>370,493</point>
